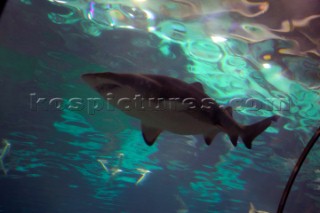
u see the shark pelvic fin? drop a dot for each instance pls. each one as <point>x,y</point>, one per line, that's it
<point>150,134</point>
<point>198,85</point>
<point>251,131</point>
<point>233,139</point>
<point>208,138</point>
<point>232,136</point>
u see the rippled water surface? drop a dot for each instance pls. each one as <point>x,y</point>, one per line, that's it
<point>260,57</point>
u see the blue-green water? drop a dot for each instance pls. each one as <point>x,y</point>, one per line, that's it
<point>261,58</point>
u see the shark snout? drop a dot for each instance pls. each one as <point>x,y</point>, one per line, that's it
<point>90,79</point>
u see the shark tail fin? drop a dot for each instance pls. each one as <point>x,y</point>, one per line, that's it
<point>250,132</point>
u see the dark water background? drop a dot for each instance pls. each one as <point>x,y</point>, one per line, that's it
<point>54,163</point>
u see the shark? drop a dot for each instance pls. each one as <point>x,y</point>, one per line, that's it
<point>164,103</point>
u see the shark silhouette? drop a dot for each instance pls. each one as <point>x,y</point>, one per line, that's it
<point>165,103</point>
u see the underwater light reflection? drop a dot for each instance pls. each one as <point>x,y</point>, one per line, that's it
<point>266,65</point>
<point>218,39</point>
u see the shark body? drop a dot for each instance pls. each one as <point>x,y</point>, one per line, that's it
<point>165,103</point>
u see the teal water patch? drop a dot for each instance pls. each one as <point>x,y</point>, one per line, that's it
<point>126,166</point>
<point>137,153</point>
<point>73,124</point>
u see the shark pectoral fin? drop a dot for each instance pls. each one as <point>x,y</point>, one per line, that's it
<point>198,85</point>
<point>149,134</point>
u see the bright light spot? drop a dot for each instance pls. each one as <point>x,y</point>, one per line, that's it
<point>120,155</point>
<point>267,57</point>
<point>116,14</point>
<point>139,0</point>
<point>218,39</point>
<point>115,171</point>
<point>150,15</point>
<point>266,65</point>
<point>128,27</point>
<point>144,173</point>
<point>151,29</point>
<point>103,164</point>
<point>58,1</point>
<point>91,12</point>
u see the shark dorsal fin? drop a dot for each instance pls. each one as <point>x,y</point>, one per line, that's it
<point>149,134</point>
<point>198,85</point>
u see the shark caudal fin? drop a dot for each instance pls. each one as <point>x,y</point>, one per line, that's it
<point>250,132</point>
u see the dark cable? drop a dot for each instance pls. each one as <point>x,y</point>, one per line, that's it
<point>296,169</point>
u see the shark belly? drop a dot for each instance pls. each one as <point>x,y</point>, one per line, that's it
<point>178,122</point>
<point>169,115</point>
